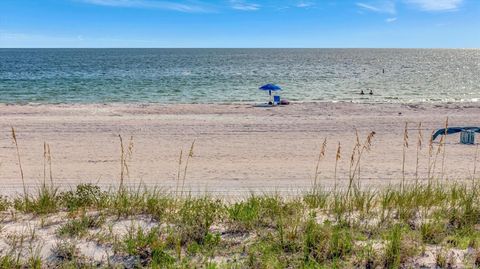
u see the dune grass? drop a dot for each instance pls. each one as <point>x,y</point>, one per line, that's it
<point>386,228</point>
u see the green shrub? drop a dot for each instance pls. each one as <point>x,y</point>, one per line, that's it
<point>432,232</point>
<point>79,227</point>
<point>9,261</point>
<point>401,244</point>
<point>85,195</point>
<point>244,216</point>
<point>266,253</point>
<point>326,242</point>
<point>4,203</point>
<point>148,247</point>
<point>195,218</point>
<point>45,201</point>
<point>393,247</point>
<point>158,206</point>
<point>316,199</point>
<point>367,257</point>
<point>67,255</point>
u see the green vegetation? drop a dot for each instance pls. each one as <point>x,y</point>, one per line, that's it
<point>386,228</point>
<point>79,227</point>
<point>66,255</point>
<point>4,203</point>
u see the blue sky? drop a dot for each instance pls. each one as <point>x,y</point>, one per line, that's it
<point>241,23</point>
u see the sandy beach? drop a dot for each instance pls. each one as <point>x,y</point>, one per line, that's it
<point>238,148</point>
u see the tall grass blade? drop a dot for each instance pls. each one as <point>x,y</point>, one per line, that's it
<point>189,156</point>
<point>179,171</point>
<point>321,155</point>
<point>337,158</point>
<point>14,137</point>
<point>405,147</point>
<point>419,148</point>
<point>444,149</point>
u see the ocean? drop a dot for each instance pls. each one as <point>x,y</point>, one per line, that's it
<point>234,75</point>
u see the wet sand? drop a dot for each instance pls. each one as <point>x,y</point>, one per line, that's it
<point>238,148</point>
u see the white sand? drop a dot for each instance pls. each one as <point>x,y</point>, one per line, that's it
<point>238,148</point>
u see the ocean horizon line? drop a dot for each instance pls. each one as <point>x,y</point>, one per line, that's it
<point>267,48</point>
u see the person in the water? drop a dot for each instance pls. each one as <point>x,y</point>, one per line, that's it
<point>361,92</point>
<point>371,92</point>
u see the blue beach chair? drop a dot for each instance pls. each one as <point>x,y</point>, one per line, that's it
<point>467,134</point>
<point>276,100</point>
<point>467,137</point>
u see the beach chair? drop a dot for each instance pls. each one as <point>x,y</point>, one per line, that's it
<point>467,137</point>
<point>276,100</point>
<point>467,134</point>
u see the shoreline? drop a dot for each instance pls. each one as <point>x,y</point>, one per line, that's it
<point>247,103</point>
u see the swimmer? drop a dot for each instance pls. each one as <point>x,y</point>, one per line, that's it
<point>371,92</point>
<point>361,92</point>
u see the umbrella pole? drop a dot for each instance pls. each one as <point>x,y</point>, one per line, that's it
<point>270,94</point>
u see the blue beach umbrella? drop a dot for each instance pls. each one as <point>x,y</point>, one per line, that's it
<point>270,88</point>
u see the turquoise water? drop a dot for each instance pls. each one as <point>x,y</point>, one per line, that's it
<point>234,75</point>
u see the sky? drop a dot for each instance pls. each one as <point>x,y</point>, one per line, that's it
<point>240,23</point>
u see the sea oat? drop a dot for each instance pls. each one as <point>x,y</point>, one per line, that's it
<point>337,158</point>
<point>419,148</point>
<point>179,171</point>
<point>190,155</point>
<point>475,164</point>
<point>444,149</point>
<point>405,147</point>
<point>321,155</point>
<point>14,137</point>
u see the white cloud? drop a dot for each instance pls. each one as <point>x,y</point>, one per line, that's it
<point>303,4</point>
<point>15,39</point>
<point>436,5</point>
<point>379,6</point>
<point>390,20</point>
<point>166,5</point>
<point>242,5</point>
<point>34,40</point>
